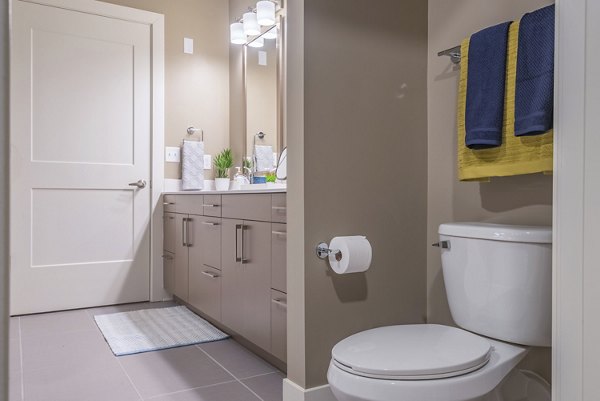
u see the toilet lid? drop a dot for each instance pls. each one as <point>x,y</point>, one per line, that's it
<point>412,352</point>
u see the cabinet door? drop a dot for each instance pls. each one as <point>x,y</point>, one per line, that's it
<point>169,272</point>
<point>279,325</point>
<point>279,208</point>
<point>169,232</point>
<point>256,274</point>
<point>232,283</point>
<point>205,290</point>
<point>278,256</point>
<point>181,257</point>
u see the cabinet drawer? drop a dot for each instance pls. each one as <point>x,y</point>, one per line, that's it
<point>169,272</point>
<point>212,205</point>
<point>205,290</point>
<point>278,256</point>
<point>169,233</point>
<point>247,206</point>
<point>211,241</point>
<point>279,208</point>
<point>279,325</point>
<point>169,203</point>
<point>189,204</point>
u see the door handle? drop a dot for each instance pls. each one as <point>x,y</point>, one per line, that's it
<point>184,231</point>
<point>211,275</point>
<point>141,184</point>
<point>187,232</point>
<point>237,227</point>
<point>209,223</point>
<point>211,205</point>
<point>243,260</point>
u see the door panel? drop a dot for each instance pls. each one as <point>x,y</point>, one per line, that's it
<point>232,284</point>
<point>211,241</point>
<point>279,325</point>
<point>80,133</point>
<point>205,290</point>
<point>169,232</point>
<point>278,257</point>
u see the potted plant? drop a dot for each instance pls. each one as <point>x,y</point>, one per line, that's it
<point>223,162</point>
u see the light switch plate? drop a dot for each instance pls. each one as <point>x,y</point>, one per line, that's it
<point>188,46</point>
<point>207,162</point>
<point>173,154</point>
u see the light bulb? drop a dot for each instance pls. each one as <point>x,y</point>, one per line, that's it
<point>251,27</point>
<point>265,11</point>
<point>258,42</point>
<point>238,37</point>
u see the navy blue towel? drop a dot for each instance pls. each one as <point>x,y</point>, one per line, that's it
<point>486,83</point>
<point>534,96</point>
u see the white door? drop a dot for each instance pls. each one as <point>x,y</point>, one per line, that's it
<point>80,133</point>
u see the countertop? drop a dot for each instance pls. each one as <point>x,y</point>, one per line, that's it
<point>238,192</point>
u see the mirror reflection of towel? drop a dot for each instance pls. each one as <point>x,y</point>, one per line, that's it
<point>264,158</point>
<point>192,169</point>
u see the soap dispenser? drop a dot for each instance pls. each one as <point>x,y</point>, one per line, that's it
<point>239,179</point>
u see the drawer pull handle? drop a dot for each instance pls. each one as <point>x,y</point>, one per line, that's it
<point>210,223</point>
<point>282,233</point>
<point>211,205</point>
<point>167,257</point>
<point>237,228</point>
<point>169,217</point>
<point>280,208</point>
<point>211,275</point>
<point>168,203</point>
<point>280,302</point>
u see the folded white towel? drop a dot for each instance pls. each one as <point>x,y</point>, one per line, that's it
<point>264,158</point>
<point>192,169</point>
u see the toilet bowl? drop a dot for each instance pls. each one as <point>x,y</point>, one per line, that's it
<point>498,280</point>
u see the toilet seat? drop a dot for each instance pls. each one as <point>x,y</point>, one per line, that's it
<point>412,352</point>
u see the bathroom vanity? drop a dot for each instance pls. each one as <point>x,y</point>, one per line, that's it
<point>225,257</point>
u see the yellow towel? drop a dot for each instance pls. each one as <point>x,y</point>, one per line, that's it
<point>516,155</point>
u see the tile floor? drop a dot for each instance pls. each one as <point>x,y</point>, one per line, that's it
<point>63,357</point>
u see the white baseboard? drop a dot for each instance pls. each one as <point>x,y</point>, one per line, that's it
<point>293,392</point>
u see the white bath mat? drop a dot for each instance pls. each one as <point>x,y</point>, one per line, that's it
<point>154,329</point>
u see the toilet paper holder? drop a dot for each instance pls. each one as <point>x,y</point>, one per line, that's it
<point>323,251</point>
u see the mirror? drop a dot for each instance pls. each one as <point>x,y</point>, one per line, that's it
<point>281,172</point>
<point>263,89</point>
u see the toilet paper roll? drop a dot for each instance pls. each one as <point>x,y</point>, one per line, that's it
<point>356,254</point>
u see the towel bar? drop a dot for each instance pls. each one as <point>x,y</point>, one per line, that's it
<point>453,53</point>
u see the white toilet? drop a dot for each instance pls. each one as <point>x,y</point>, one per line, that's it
<point>499,286</point>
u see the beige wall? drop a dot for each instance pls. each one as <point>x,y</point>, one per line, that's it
<point>237,103</point>
<point>196,86</point>
<point>363,165</point>
<point>515,200</point>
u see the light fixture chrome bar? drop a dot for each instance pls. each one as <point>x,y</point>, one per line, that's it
<point>453,53</point>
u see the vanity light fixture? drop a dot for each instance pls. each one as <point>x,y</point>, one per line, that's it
<point>238,37</point>
<point>271,33</point>
<point>258,42</point>
<point>251,27</point>
<point>265,12</point>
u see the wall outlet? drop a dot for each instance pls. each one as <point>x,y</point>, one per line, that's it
<point>173,154</point>
<point>207,162</point>
<point>188,46</point>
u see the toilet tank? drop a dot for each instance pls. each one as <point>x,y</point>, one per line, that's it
<point>499,280</point>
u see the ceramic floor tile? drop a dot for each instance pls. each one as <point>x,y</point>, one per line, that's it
<point>55,323</point>
<point>68,349</point>
<point>14,355</point>
<point>14,386</point>
<point>163,372</point>
<point>268,387</point>
<point>104,310</point>
<point>233,391</point>
<point>94,381</point>
<point>237,359</point>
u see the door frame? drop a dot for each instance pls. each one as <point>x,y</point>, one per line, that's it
<point>157,32</point>
<point>576,299</point>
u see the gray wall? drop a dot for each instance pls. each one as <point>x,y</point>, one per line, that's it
<point>237,103</point>
<point>4,84</point>
<point>364,170</point>
<point>512,200</point>
<point>196,86</point>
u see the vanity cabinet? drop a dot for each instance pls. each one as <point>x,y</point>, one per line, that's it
<point>225,256</point>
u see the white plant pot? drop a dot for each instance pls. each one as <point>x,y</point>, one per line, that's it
<point>222,184</point>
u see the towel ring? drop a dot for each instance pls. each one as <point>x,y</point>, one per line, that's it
<point>193,130</point>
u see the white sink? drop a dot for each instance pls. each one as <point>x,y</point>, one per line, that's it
<point>268,185</point>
